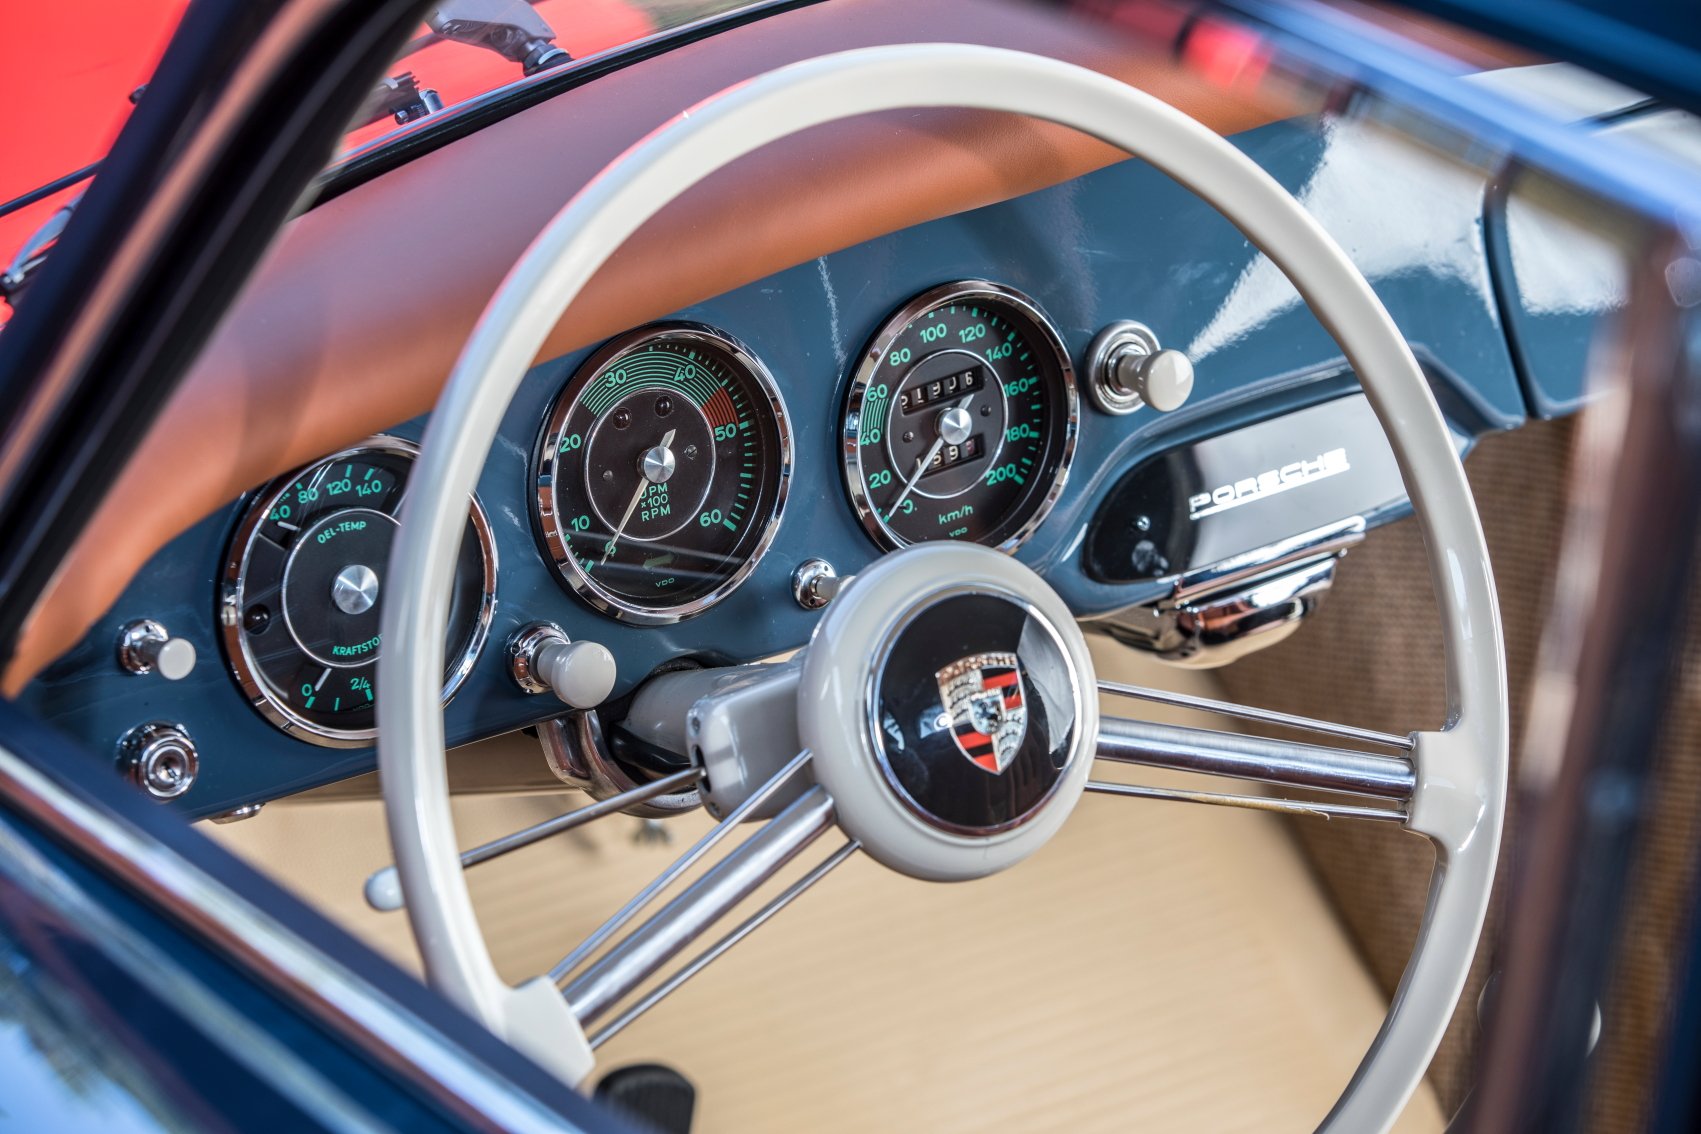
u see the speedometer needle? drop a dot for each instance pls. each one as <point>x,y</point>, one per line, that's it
<point>921,465</point>
<point>643,487</point>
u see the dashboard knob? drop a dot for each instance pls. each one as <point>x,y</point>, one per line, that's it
<point>815,584</point>
<point>1162,379</point>
<point>144,646</point>
<point>1128,368</point>
<point>160,758</point>
<point>543,659</point>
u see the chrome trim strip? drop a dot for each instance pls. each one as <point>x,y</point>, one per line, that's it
<point>1330,537</point>
<point>405,1043</point>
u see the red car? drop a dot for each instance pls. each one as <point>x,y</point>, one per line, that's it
<point>73,68</point>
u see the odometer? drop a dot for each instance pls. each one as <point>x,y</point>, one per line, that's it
<point>961,419</point>
<point>662,472</point>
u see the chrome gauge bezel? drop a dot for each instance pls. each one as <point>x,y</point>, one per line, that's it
<point>567,567</point>
<point>890,329</point>
<point>239,658</point>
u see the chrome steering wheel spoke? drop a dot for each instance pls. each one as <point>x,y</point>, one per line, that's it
<point>698,908</point>
<point>1309,808</point>
<point>1388,781</point>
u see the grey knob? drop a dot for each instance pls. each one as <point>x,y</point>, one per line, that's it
<point>159,758</point>
<point>144,647</point>
<point>1162,379</point>
<point>543,659</point>
<point>1128,368</point>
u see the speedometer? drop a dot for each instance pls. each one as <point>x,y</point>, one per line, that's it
<point>662,472</point>
<point>961,419</point>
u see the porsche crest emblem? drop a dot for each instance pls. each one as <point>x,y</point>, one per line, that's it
<point>982,695</point>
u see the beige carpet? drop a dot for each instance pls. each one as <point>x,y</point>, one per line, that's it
<point>1159,967</point>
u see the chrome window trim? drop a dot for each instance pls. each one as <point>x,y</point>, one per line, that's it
<point>337,997</point>
<point>371,158</point>
<point>25,867</point>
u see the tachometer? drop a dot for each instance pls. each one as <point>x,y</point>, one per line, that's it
<point>303,583</point>
<point>662,473</point>
<point>961,419</point>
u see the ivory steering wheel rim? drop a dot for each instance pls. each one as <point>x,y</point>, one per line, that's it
<point>1460,772</point>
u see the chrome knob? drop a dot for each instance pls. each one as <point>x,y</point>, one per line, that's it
<point>815,584</point>
<point>543,659</point>
<point>955,425</point>
<point>355,589</point>
<point>145,646</point>
<point>160,758</point>
<point>657,464</point>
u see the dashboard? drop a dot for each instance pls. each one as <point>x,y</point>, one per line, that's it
<point>660,492</point>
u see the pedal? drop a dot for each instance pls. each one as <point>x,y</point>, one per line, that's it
<point>652,1095</point>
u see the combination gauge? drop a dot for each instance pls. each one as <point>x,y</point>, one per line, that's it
<point>303,587</point>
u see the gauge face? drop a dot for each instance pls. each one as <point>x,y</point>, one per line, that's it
<point>303,584</point>
<point>662,472</point>
<point>961,420</point>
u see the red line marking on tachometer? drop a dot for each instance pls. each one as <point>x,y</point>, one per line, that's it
<point>719,408</point>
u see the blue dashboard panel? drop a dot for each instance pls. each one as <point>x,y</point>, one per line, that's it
<point>1123,243</point>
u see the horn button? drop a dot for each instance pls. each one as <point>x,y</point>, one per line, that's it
<point>973,711</point>
<point>949,700</point>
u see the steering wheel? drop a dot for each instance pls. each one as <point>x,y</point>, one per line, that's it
<point>920,619</point>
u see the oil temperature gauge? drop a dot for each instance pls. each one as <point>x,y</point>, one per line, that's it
<point>303,585</point>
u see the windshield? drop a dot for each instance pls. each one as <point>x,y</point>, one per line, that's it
<point>80,65</point>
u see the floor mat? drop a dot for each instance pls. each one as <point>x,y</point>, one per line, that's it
<point>1158,967</point>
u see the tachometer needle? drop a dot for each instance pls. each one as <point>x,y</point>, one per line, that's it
<point>643,487</point>
<point>921,465</point>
